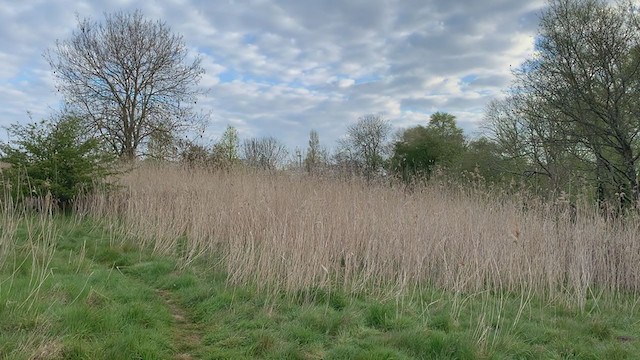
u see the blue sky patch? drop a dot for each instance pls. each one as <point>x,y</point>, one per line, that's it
<point>468,79</point>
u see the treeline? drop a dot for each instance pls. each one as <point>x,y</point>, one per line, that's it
<point>368,149</point>
<point>58,157</point>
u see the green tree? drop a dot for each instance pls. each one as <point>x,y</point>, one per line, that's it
<point>316,155</point>
<point>483,157</point>
<point>225,152</point>
<point>421,148</point>
<point>55,157</point>
<point>444,125</point>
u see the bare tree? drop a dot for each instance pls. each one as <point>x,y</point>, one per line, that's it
<point>366,143</point>
<point>193,154</point>
<point>531,137</point>
<point>129,77</point>
<point>264,153</point>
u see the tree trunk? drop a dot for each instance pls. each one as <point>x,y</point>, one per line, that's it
<point>128,154</point>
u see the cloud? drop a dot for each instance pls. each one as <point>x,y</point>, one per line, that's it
<point>282,68</point>
<point>345,83</point>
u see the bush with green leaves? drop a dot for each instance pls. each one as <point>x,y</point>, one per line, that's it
<point>54,157</point>
<point>421,149</point>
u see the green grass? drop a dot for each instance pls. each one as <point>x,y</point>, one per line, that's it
<point>105,298</point>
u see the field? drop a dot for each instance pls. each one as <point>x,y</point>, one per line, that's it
<point>191,264</point>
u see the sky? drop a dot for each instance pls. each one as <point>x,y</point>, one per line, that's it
<point>282,68</point>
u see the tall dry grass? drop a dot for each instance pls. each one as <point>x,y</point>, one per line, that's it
<point>9,219</point>
<point>282,231</point>
<point>33,251</point>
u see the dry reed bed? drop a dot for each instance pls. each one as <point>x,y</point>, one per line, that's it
<point>290,232</point>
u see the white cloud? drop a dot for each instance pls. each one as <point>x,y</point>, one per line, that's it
<point>345,83</point>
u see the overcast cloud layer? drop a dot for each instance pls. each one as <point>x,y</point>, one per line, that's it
<point>282,68</point>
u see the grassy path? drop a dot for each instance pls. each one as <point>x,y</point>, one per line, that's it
<point>187,335</point>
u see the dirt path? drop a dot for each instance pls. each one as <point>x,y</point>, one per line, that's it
<point>186,334</point>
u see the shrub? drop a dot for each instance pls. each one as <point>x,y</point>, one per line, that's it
<point>54,157</point>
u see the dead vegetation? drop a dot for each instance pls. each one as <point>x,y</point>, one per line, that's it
<point>283,232</point>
